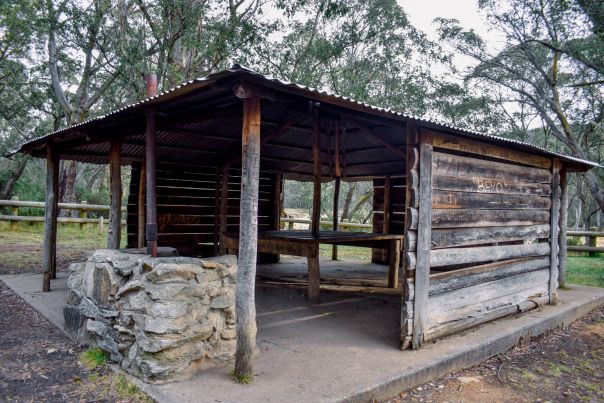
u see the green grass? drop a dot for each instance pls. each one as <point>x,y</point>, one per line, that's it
<point>93,358</point>
<point>244,379</point>
<point>586,270</point>
<point>346,252</point>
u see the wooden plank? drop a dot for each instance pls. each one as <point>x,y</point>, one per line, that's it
<point>455,165</point>
<point>248,230</point>
<point>450,237</point>
<point>482,298</point>
<point>115,184</point>
<point>489,150</point>
<point>453,256</point>
<point>489,185</point>
<point>473,321</point>
<point>555,222</point>
<point>424,228</point>
<point>462,278</point>
<point>316,151</point>
<point>464,200</point>
<point>151,182</point>
<point>453,218</point>
<point>336,200</point>
<point>49,247</point>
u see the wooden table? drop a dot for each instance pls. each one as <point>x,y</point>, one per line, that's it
<point>304,244</point>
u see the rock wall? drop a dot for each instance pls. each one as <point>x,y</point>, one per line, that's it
<point>161,319</point>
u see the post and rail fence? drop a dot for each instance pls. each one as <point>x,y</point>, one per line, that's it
<point>591,244</point>
<point>83,208</point>
<point>14,204</point>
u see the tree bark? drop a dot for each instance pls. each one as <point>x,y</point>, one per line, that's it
<point>15,174</point>
<point>348,200</point>
<point>245,303</point>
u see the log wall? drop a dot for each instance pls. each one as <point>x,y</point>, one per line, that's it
<point>188,206</point>
<point>492,216</point>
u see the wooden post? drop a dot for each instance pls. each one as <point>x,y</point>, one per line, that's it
<point>562,240</point>
<point>49,248</point>
<point>290,226</point>
<point>115,182</point>
<point>593,242</point>
<point>140,204</point>
<point>248,239</point>
<point>83,215</point>
<point>224,193</point>
<point>316,154</point>
<point>336,210</point>
<point>554,229</point>
<point>14,212</point>
<point>408,270</point>
<point>101,224</point>
<point>424,233</point>
<point>151,191</point>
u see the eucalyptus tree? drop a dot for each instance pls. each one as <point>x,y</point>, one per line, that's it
<point>551,62</point>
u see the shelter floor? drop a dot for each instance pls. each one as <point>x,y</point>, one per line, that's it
<point>345,348</point>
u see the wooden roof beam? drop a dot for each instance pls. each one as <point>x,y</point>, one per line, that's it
<point>378,138</point>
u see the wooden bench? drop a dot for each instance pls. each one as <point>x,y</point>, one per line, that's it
<point>304,244</point>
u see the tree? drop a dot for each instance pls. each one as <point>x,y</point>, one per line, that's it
<point>551,63</point>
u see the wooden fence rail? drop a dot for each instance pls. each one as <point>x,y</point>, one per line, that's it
<point>341,225</point>
<point>82,207</point>
<point>592,242</point>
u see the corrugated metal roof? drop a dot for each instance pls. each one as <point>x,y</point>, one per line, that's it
<point>313,93</point>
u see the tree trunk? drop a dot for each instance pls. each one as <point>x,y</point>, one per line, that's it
<point>68,180</point>
<point>15,174</point>
<point>348,200</point>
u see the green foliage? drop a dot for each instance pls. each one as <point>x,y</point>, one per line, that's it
<point>93,358</point>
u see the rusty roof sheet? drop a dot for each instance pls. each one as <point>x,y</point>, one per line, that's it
<point>309,92</point>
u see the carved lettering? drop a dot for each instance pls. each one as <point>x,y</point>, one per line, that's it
<point>489,185</point>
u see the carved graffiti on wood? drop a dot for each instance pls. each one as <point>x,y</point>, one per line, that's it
<point>489,185</point>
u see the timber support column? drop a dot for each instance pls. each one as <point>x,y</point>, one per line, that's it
<point>115,182</point>
<point>49,249</point>
<point>424,241</point>
<point>245,303</point>
<point>554,231</point>
<point>151,191</point>
<point>562,239</point>
<point>336,189</point>
<point>314,274</point>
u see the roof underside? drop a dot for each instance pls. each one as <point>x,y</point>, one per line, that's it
<point>199,123</point>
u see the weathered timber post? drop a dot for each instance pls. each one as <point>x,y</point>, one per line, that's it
<point>83,215</point>
<point>140,239</point>
<point>151,191</point>
<point>245,304</point>
<point>336,210</point>
<point>409,255</point>
<point>554,230</point>
<point>49,248</point>
<point>316,154</point>
<point>391,252</point>
<point>115,182</point>
<point>14,212</point>
<point>336,189</point>
<point>150,168</point>
<point>314,275</point>
<point>424,232</point>
<point>562,239</point>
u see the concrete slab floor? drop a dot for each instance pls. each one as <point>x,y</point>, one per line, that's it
<point>345,349</point>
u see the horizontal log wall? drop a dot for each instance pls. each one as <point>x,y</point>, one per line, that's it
<point>187,212</point>
<point>491,228</point>
<point>395,212</point>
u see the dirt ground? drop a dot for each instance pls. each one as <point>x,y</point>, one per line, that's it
<point>564,366</point>
<point>38,363</point>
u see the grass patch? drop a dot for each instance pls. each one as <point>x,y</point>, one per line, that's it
<point>128,390</point>
<point>346,252</point>
<point>244,379</point>
<point>586,270</point>
<point>93,358</point>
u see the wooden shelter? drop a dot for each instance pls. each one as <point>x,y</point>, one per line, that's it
<point>475,221</point>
